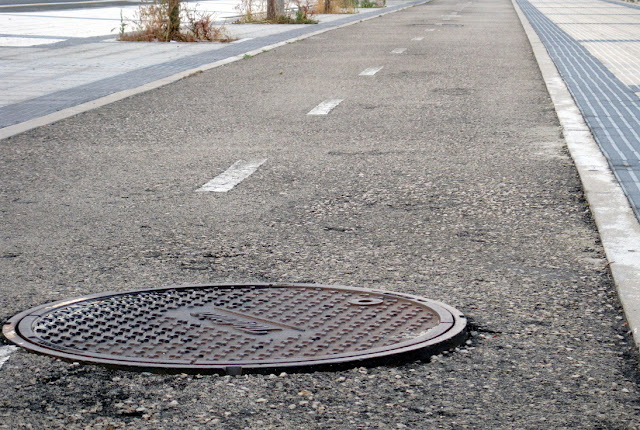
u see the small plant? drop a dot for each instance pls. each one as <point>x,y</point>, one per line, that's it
<point>123,24</point>
<point>201,27</point>
<point>303,10</point>
<point>161,20</point>
<point>374,3</point>
<point>249,12</point>
<point>337,6</point>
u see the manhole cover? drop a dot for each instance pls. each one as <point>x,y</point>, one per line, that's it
<point>239,328</point>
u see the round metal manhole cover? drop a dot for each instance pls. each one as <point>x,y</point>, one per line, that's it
<point>239,328</point>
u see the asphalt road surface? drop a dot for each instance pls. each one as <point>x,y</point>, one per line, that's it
<point>444,175</point>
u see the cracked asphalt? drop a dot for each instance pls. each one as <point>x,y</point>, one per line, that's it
<point>444,175</point>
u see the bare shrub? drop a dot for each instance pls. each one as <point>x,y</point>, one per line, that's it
<point>255,11</point>
<point>160,20</point>
<point>336,6</point>
<point>202,27</point>
<point>251,11</point>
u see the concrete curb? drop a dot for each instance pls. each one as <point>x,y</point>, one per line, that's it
<point>12,130</point>
<point>618,227</point>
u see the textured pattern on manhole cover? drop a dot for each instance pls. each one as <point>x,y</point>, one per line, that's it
<point>238,327</point>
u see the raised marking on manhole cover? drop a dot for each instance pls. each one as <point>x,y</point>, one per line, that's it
<point>239,328</point>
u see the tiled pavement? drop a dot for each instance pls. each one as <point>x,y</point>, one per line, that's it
<point>595,44</point>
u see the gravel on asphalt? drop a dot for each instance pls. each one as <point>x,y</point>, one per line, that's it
<point>444,175</point>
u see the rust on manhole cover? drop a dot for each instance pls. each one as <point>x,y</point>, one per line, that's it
<point>240,328</point>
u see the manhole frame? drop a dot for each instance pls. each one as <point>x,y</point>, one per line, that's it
<point>440,338</point>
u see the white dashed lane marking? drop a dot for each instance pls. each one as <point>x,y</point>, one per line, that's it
<point>325,107</point>
<point>231,177</point>
<point>417,39</point>
<point>5,352</point>
<point>398,50</point>
<point>370,71</point>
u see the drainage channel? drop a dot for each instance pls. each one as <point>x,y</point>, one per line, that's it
<point>240,328</point>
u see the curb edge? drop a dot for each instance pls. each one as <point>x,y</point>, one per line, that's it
<point>617,225</point>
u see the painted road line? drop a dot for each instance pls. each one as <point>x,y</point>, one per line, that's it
<point>325,107</point>
<point>398,50</point>
<point>238,172</point>
<point>417,39</point>
<point>370,71</point>
<point>5,352</point>
<point>430,29</point>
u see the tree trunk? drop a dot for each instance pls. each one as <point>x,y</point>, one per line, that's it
<point>174,19</point>
<point>271,9</point>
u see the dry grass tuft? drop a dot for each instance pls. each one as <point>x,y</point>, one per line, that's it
<point>372,3</point>
<point>337,6</point>
<point>292,12</point>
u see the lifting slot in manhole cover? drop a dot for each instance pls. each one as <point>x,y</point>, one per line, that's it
<point>236,329</point>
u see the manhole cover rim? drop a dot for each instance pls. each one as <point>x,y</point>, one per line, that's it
<point>436,339</point>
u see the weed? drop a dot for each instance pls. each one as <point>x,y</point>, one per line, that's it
<point>247,56</point>
<point>304,10</point>
<point>123,25</point>
<point>270,12</point>
<point>250,11</point>
<point>201,27</point>
<point>337,6</point>
<point>160,20</point>
<point>285,19</point>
